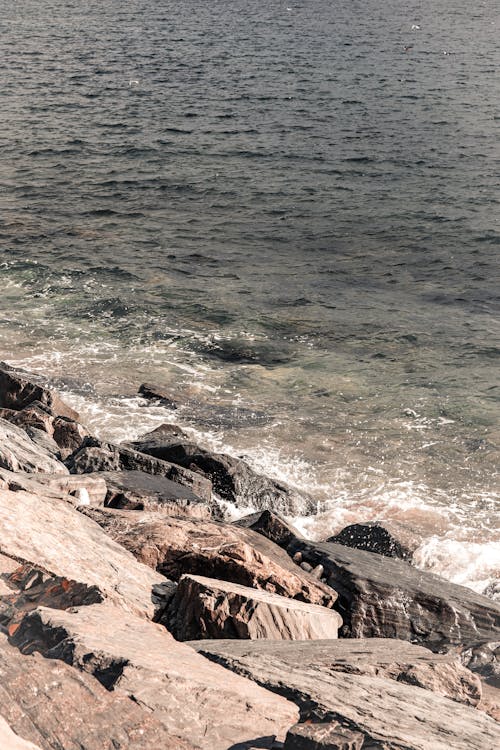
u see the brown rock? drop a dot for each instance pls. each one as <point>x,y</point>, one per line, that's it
<point>11,741</point>
<point>174,546</point>
<point>19,389</point>
<point>323,736</point>
<point>81,490</point>
<point>208,608</point>
<point>190,696</point>
<point>19,453</point>
<point>56,706</point>
<point>270,525</point>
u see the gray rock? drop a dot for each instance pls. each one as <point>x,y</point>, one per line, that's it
<point>193,698</point>
<point>323,736</point>
<point>156,393</point>
<point>19,453</point>
<point>95,455</point>
<point>209,608</point>
<point>388,538</point>
<point>389,714</point>
<point>19,389</point>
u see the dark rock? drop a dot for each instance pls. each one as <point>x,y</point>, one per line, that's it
<point>270,525</point>
<point>136,490</point>
<point>157,393</point>
<point>209,608</point>
<point>388,538</point>
<point>57,707</point>
<point>175,546</point>
<point>95,455</point>
<point>389,714</point>
<point>389,598</point>
<point>18,389</point>
<point>232,478</point>
<point>68,434</point>
<point>323,736</point>
<point>192,698</point>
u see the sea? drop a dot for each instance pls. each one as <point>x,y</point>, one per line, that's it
<point>287,213</point>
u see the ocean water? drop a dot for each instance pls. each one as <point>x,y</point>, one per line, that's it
<point>289,214</point>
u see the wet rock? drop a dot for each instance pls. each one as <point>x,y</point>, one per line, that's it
<point>95,455</point>
<point>157,393</point>
<point>232,478</point>
<point>388,538</point>
<point>389,598</point>
<point>55,537</point>
<point>209,608</point>
<point>53,705</point>
<point>19,453</point>
<point>323,736</point>
<point>193,698</point>
<point>19,389</point>
<point>386,712</point>
<point>270,525</point>
<point>174,546</point>
<point>135,490</point>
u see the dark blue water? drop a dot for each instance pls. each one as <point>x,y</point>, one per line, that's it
<point>288,213</point>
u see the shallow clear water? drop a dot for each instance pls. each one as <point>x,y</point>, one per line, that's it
<point>287,212</point>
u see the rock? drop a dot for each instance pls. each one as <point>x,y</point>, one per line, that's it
<point>193,698</point>
<point>174,546</point>
<point>323,736</point>
<point>68,434</point>
<point>62,486</point>
<point>56,706</point>
<point>11,741</point>
<point>62,435</point>
<point>232,478</point>
<point>135,490</point>
<point>52,536</point>
<point>386,712</point>
<point>18,389</point>
<point>376,657</point>
<point>209,608</point>
<point>389,598</point>
<point>156,393</point>
<point>95,455</point>
<point>388,538</point>
<point>270,525</point>
<point>19,453</point>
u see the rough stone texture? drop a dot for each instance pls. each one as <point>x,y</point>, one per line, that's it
<point>192,697</point>
<point>323,736</point>
<point>376,657</point>
<point>174,546</point>
<point>19,389</point>
<point>11,741</point>
<point>78,489</point>
<point>65,435</point>
<point>232,478</point>
<point>208,608</point>
<point>156,393</point>
<point>95,455</point>
<point>18,452</point>
<point>270,525</point>
<point>387,538</point>
<point>389,714</point>
<point>135,490</point>
<point>389,598</point>
<point>54,537</point>
<point>60,708</point>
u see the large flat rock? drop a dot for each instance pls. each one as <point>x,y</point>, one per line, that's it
<point>174,546</point>
<point>192,697</point>
<point>389,598</point>
<point>389,714</point>
<point>19,453</point>
<point>209,608</point>
<point>53,536</point>
<point>49,703</point>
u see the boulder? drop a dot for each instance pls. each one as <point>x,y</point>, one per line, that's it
<point>174,546</point>
<point>135,490</point>
<point>232,478</point>
<point>193,698</point>
<point>159,394</point>
<point>209,608</point>
<point>389,598</point>
<point>386,712</point>
<point>384,538</point>
<point>53,536</point>
<point>323,736</point>
<point>270,525</point>
<point>53,705</point>
<point>79,489</point>
<point>65,435</point>
<point>19,453</point>
<point>19,389</point>
<point>95,455</point>
<point>389,658</point>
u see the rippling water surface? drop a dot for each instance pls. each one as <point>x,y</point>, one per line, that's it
<point>288,212</point>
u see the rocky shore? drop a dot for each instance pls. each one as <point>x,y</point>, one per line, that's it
<point>133,615</point>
